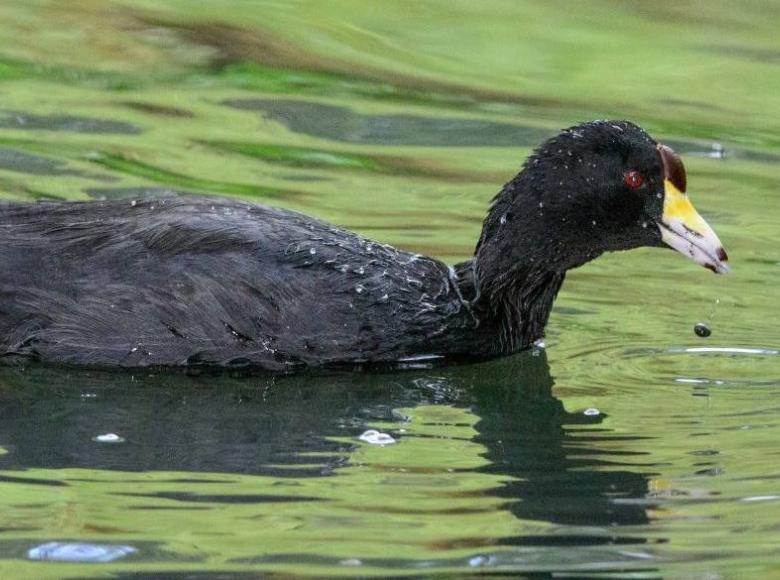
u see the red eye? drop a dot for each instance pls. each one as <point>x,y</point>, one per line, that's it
<point>633,179</point>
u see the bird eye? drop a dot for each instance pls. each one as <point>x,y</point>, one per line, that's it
<point>633,179</point>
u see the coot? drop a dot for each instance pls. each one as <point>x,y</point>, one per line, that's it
<point>194,281</point>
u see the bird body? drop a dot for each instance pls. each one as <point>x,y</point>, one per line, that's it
<point>197,281</point>
<point>217,282</point>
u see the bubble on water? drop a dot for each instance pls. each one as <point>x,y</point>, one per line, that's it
<point>108,438</point>
<point>312,251</point>
<point>359,288</point>
<point>503,219</point>
<point>344,268</point>
<point>361,270</point>
<point>384,298</point>
<point>716,151</point>
<point>591,412</point>
<point>376,437</point>
<point>635,554</point>
<point>78,552</point>
<point>399,416</point>
<point>702,330</point>
<point>538,347</point>
<point>478,561</point>
<point>695,381</point>
<point>350,562</point>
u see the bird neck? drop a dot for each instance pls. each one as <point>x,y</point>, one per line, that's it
<point>518,267</point>
<point>512,308</point>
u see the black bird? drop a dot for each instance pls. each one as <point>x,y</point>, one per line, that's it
<point>183,282</point>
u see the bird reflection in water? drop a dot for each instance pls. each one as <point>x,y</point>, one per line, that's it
<point>295,427</point>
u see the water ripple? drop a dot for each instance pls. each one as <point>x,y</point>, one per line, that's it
<point>724,350</point>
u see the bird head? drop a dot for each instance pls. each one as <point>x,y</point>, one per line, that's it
<point>597,187</point>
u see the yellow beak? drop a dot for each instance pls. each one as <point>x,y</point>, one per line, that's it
<point>683,229</point>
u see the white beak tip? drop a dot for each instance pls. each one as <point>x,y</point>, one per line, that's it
<point>703,246</point>
<point>718,267</point>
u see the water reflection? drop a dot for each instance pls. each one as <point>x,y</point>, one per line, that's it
<point>17,161</point>
<point>343,124</point>
<point>67,123</point>
<point>295,427</point>
<point>555,457</point>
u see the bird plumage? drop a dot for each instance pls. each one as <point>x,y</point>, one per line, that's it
<point>198,281</point>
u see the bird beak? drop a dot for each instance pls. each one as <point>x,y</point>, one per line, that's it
<point>682,228</point>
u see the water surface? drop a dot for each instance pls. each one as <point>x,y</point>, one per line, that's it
<point>630,447</point>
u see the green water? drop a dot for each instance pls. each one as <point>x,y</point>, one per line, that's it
<point>400,120</point>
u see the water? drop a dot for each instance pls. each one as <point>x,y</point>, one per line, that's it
<point>628,447</point>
